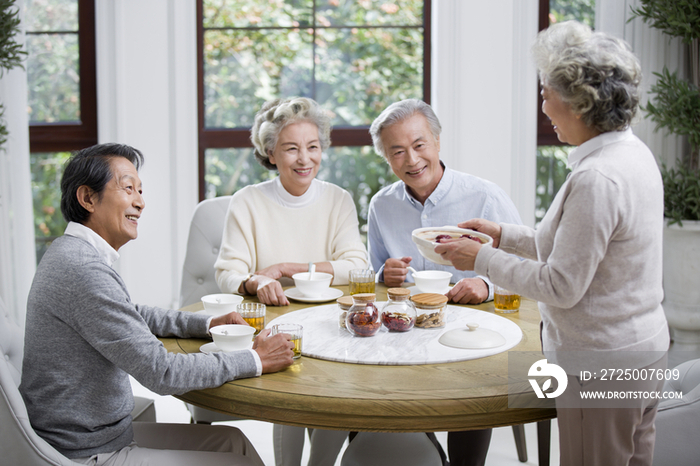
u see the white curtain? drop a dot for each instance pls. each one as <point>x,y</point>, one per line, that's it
<point>17,251</point>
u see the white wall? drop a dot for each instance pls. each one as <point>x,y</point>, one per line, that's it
<point>485,93</point>
<point>17,251</point>
<point>147,98</point>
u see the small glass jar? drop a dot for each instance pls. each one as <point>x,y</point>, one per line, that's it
<point>399,313</point>
<point>344,304</point>
<point>430,309</point>
<point>363,317</point>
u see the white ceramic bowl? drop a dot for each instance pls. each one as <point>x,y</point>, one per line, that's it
<point>425,240</point>
<point>312,287</point>
<point>233,337</point>
<point>432,281</point>
<point>221,303</point>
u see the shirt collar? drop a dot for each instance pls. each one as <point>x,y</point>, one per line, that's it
<point>440,191</point>
<point>593,144</point>
<point>105,251</point>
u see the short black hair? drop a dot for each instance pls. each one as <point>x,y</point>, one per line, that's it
<point>90,167</point>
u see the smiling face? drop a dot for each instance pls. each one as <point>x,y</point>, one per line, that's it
<point>115,215</point>
<point>414,155</point>
<point>568,125</point>
<point>297,156</point>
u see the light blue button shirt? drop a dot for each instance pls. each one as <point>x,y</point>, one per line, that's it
<point>394,214</point>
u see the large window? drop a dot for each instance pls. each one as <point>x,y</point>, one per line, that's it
<point>352,57</point>
<point>62,102</point>
<point>551,153</point>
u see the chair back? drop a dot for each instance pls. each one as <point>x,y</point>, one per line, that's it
<point>677,419</point>
<point>203,243</point>
<point>19,444</point>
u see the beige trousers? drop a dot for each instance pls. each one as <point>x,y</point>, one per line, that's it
<point>595,436</point>
<point>181,445</point>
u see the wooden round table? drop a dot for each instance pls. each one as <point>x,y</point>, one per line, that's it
<point>331,395</point>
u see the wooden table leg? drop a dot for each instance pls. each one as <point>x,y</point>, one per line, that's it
<point>520,445</point>
<point>544,431</point>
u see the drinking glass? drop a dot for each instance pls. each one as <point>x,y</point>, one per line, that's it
<point>505,301</point>
<point>254,314</point>
<point>361,281</point>
<point>295,330</point>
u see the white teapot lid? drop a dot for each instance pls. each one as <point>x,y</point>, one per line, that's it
<point>472,337</point>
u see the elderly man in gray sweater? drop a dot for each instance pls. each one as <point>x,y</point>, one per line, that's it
<point>84,336</point>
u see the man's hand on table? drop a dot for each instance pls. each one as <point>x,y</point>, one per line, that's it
<point>395,271</point>
<point>469,291</point>
<point>230,318</point>
<point>275,352</point>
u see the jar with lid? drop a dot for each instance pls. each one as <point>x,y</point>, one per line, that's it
<point>344,304</point>
<point>399,313</point>
<point>430,309</point>
<point>363,318</point>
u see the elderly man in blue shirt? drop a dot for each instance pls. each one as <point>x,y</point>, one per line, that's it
<point>429,194</point>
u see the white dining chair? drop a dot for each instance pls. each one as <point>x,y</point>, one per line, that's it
<point>203,243</point>
<point>389,449</point>
<point>678,419</point>
<point>19,444</point>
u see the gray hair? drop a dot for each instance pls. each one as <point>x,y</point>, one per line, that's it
<point>275,115</point>
<point>399,111</point>
<point>595,73</point>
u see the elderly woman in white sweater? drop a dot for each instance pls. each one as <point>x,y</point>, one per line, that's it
<point>275,228</point>
<point>594,263</point>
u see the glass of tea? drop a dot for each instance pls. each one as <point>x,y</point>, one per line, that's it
<point>505,301</point>
<point>361,281</point>
<point>295,330</point>
<point>253,314</point>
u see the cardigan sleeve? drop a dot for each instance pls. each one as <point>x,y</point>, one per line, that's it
<point>237,256</point>
<point>348,252</point>
<point>588,219</point>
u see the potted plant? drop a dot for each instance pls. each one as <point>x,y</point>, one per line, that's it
<point>11,53</point>
<point>675,107</point>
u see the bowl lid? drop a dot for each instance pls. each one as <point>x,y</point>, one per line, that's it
<point>472,337</point>
<point>429,299</point>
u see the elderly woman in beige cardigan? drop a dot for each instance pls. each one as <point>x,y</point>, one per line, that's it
<point>594,263</point>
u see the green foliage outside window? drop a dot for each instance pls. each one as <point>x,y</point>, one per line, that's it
<point>46,172</point>
<point>52,63</point>
<point>354,57</point>
<point>551,174</point>
<point>579,10</point>
<point>551,160</point>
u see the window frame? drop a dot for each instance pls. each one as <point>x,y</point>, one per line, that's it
<point>69,136</point>
<point>225,138</point>
<point>546,136</point>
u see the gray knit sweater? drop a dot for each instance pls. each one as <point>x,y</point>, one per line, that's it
<point>84,336</point>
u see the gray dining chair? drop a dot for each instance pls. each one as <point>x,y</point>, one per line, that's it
<point>19,443</point>
<point>203,243</point>
<point>677,419</point>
